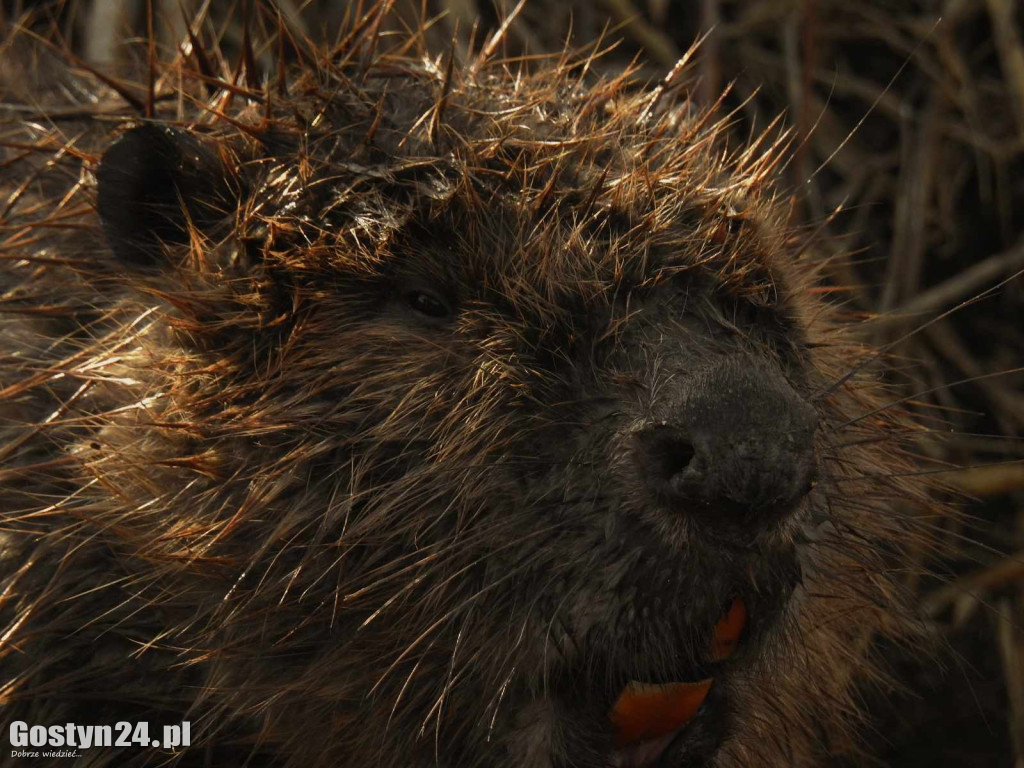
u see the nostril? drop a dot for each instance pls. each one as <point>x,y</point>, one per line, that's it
<point>738,452</point>
<point>739,477</point>
<point>665,454</point>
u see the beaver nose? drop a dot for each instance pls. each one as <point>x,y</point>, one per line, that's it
<point>739,447</point>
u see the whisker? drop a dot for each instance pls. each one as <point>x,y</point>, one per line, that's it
<point>891,475</point>
<point>941,387</point>
<point>884,349</point>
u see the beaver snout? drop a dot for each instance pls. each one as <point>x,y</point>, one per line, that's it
<point>738,447</point>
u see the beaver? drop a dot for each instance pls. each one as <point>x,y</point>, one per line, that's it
<point>392,409</point>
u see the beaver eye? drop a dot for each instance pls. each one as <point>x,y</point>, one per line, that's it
<point>429,305</point>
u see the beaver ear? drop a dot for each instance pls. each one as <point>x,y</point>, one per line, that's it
<point>154,183</point>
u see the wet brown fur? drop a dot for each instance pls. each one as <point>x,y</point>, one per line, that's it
<point>241,485</point>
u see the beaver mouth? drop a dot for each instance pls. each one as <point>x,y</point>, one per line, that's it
<point>650,719</point>
<point>686,625</point>
<point>681,716</point>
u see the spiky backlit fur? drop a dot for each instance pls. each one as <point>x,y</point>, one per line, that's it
<point>245,484</point>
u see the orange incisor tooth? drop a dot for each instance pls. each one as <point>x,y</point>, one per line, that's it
<point>648,711</point>
<point>644,712</point>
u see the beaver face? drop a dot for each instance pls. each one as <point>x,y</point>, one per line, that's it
<point>568,448</point>
<point>621,464</point>
<point>483,441</point>
<point>659,441</point>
